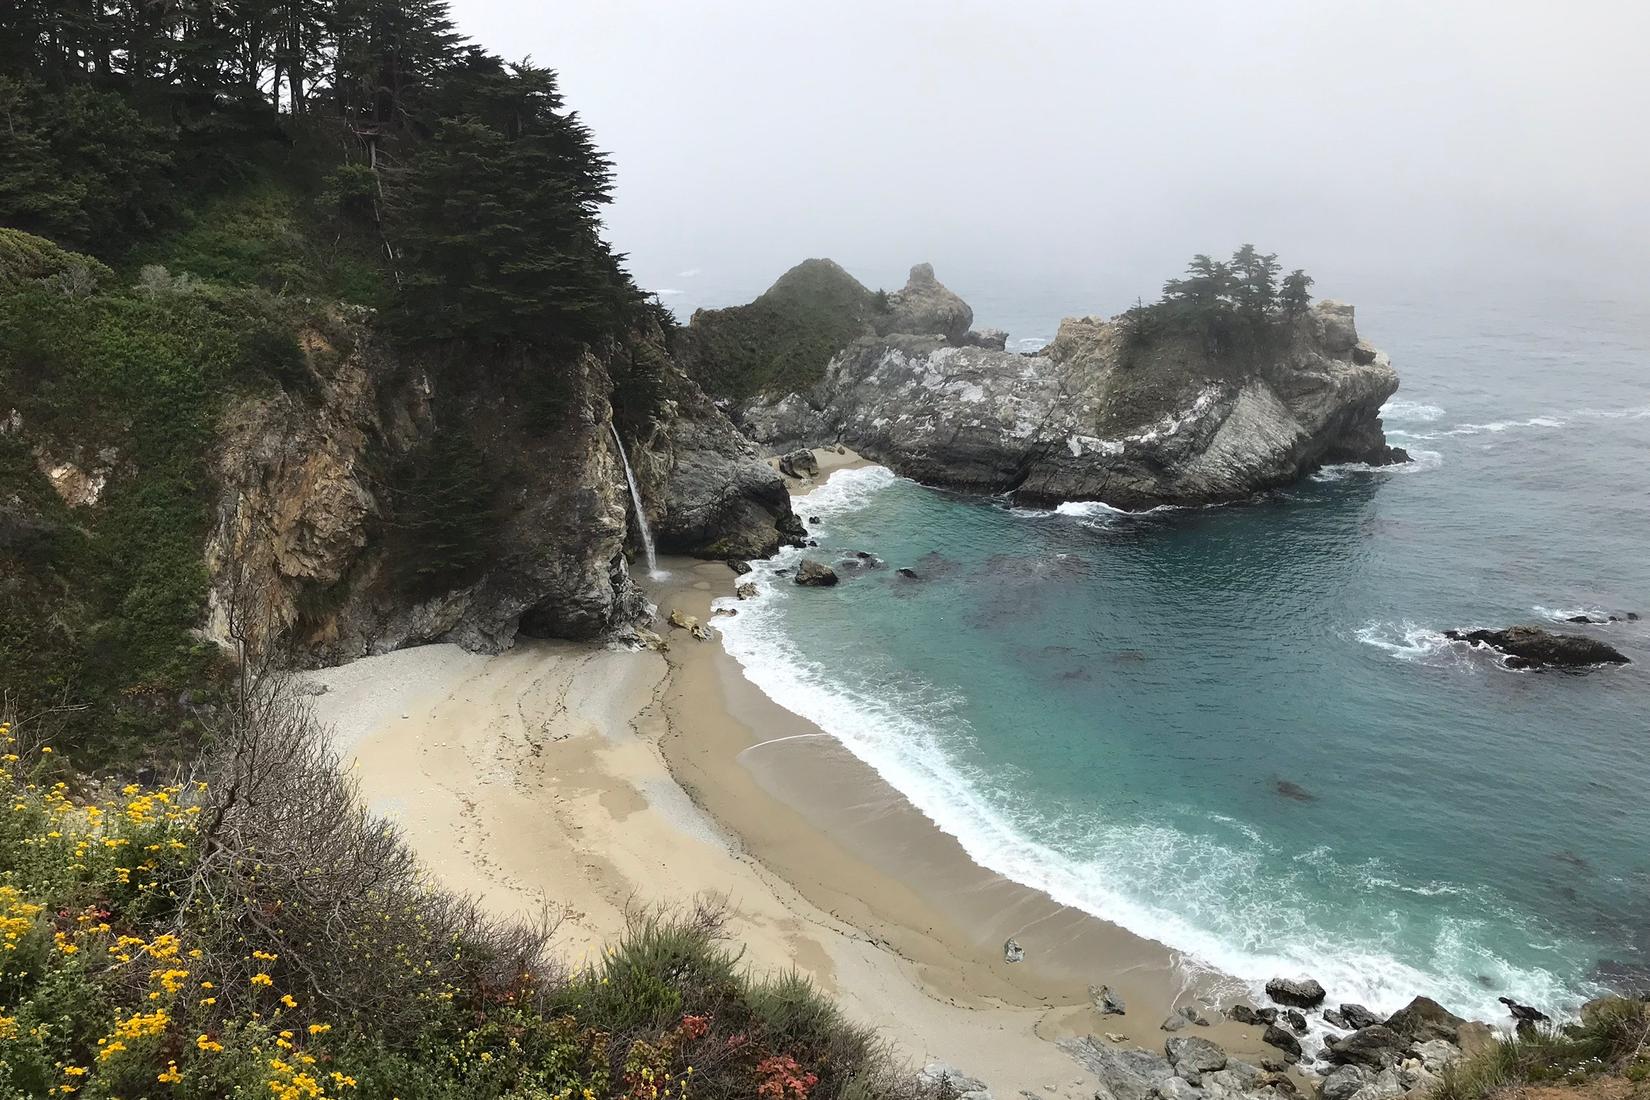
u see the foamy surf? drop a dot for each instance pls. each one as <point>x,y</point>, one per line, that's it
<point>1410,410</point>
<point>1406,641</point>
<point>1420,462</point>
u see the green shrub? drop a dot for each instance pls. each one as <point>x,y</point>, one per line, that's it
<point>1613,1036</point>
<point>257,933</point>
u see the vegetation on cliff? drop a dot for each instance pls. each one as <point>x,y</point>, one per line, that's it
<point>782,341</point>
<point>1235,308</point>
<point>251,931</point>
<point>186,187</point>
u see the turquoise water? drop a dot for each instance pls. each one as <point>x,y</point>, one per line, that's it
<point>1237,729</point>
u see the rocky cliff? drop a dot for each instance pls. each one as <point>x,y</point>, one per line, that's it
<point>311,539</point>
<point>1102,413</point>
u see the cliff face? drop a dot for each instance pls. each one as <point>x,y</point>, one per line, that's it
<point>1099,414</point>
<point>311,541</point>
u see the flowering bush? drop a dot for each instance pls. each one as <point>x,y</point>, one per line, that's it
<point>256,934</point>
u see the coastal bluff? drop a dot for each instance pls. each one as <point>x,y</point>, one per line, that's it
<point>1131,414</point>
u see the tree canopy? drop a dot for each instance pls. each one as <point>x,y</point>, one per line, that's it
<point>474,185</point>
<point>1235,306</point>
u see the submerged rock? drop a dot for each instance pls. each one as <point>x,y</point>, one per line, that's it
<point>1533,647</point>
<point>815,574</point>
<point>1301,993</point>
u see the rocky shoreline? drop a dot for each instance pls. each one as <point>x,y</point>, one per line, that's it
<point>1364,1056</point>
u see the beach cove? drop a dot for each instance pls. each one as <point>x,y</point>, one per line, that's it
<point>595,783</point>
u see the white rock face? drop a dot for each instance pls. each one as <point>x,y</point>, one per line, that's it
<point>1091,418</point>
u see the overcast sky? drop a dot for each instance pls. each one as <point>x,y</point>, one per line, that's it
<point>1033,144</point>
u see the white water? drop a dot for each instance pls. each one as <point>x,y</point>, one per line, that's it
<point>636,499</point>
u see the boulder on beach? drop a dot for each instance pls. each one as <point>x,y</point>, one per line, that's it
<point>1357,1016</point>
<point>1344,1082</point>
<point>1532,647</point>
<point>1105,1001</point>
<point>1124,1074</point>
<point>814,574</point>
<point>1295,1020</point>
<point>1375,1047</point>
<point>1248,1014</point>
<point>1299,993</point>
<point>1193,1057</point>
<point>1012,951</point>
<point>799,463</point>
<point>947,1080</point>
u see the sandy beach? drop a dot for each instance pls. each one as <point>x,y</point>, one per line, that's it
<point>596,782</point>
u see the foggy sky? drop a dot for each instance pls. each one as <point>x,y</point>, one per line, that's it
<point>1039,144</point>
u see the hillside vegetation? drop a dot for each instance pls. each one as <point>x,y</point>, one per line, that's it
<point>250,932</point>
<point>183,189</point>
<point>782,341</point>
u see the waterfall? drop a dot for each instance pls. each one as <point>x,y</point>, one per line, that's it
<point>636,499</point>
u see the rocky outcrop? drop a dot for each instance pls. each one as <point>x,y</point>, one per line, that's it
<point>925,306</point>
<point>1532,647</point>
<point>310,549</point>
<point>1101,413</point>
<point>713,496</point>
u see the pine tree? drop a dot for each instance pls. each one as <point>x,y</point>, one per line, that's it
<point>1254,287</point>
<point>1296,296</point>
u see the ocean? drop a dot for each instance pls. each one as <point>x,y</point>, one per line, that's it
<point>1238,729</point>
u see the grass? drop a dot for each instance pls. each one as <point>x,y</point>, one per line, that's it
<point>1613,1037</point>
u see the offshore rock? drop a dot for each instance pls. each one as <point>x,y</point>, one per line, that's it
<point>815,574</point>
<point>1095,415</point>
<point>1532,647</point>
